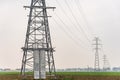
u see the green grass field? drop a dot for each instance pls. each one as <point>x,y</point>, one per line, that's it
<point>9,73</point>
<point>73,73</point>
<point>90,73</point>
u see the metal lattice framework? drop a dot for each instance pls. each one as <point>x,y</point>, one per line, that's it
<point>38,39</point>
<point>97,62</point>
<point>106,65</point>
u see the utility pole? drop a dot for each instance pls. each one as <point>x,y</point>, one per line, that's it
<point>38,50</point>
<point>97,62</point>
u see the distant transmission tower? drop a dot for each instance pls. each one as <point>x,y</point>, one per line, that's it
<point>38,50</point>
<point>106,65</point>
<point>97,62</point>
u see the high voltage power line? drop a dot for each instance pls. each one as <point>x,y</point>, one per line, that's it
<point>68,16</point>
<point>69,34</point>
<point>83,15</point>
<point>77,26</point>
<point>67,30</point>
<point>76,21</point>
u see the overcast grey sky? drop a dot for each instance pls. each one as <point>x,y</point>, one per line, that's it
<point>96,17</point>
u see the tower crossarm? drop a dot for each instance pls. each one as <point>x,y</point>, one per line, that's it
<point>42,7</point>
<point>45,49</point>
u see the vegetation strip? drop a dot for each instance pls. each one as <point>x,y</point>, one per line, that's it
<point>90,73</point>
<point>9,73</point>
<point>72,73</point>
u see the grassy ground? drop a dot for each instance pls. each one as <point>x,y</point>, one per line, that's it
<point>68,76</point>
<point>73,73</point>
<point>90,73</point>
<point>9,73</point>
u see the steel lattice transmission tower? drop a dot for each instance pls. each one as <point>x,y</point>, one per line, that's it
<point>97,62</point>
<point>106,65</point>
<point>38,50</point>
